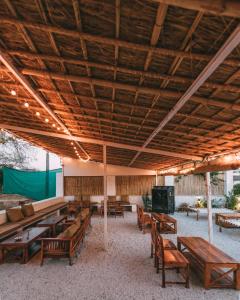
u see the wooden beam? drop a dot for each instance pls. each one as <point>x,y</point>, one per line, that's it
<point>167,93</point>
<point>231,43</point>
<point>112,41</point>
<point>135,72</point>
<point>229,8</point>
<point>101,142</point>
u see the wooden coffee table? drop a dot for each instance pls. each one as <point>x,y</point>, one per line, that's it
<point>217,269</point>
<point>51,222</point>
<point>29,237</point>
<point>167,224</point>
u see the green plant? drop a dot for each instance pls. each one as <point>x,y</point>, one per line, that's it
<point>231,198</point>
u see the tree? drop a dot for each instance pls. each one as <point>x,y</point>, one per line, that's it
<point>14,152</point>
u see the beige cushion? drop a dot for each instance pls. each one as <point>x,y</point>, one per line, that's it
<point>28,210</point>
<point>78,220</point>
<point>69,232</point>
<point>15,214</point>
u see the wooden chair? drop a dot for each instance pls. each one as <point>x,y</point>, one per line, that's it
<point>171,259</point>
<point>167,244</point>
<point>144,219</point>
<point>119,210</point>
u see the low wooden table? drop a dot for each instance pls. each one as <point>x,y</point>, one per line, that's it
<point>167,224</point>
<point>224,220</point>
<point>29,237</point>
<point>219,270</point>
<point>204,210</point>
<point>52,222</point>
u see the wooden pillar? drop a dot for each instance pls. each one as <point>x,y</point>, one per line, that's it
<point>209,206</point>
<point>105,196</point>
<point>47,176</point>
<point>156,182</point>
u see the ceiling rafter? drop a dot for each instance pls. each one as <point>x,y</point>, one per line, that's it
<point>78,19</point>
<point>31,45</point>
<point>113,42</point>
<point>219,57</point>
<point>100,142</point>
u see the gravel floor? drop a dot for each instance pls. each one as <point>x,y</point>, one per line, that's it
<point>124,272</point>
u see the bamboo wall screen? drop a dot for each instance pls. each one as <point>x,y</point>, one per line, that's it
<point>195,185</point>
<point>134,185</point>
<point>83,185</point>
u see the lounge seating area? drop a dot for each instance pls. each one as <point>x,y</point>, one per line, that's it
<point>134,267</point>
<point>52,230</point>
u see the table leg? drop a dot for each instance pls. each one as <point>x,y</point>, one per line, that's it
<point>207,276</point>
<point>179,246</point>
<point>53,230</point>
<point>237,278</point>
<point>25,255</point>
<point>1,255</point>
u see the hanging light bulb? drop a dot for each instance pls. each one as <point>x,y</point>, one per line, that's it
<point>53,125</point>
<point>58,128</point>
<point>71,143</point>
<point>13,92</point>
<point>46,120</point>
<point>26,105</point>
<point>37,113</point>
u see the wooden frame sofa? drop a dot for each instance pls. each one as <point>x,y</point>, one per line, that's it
<point>66,244</point>
<point>9,228</point>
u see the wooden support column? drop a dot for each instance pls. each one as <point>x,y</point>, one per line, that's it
<point>156,182</point>
<point>209,206</point>
<point>105,196</point>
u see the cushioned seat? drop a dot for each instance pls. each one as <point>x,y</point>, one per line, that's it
<point>174,257</point>
<point>15,214</point>
<point>28,210</point>
<point>9,228</point>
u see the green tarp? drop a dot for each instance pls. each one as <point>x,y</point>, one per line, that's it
<point>34,185</point>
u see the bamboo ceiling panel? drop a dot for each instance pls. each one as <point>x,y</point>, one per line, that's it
<point>109,73</point>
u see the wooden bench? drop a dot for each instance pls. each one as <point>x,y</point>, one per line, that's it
<point>167,224</point>
<point>64,247</point>
<point>216,268</point>
<point>9,228</point>
<point>231,220</point>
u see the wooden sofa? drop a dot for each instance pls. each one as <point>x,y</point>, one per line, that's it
<point>9,228</point>
<point>65,247</point>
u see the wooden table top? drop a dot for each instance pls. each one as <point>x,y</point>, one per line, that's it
<point>163,217</point>
<point>52,220</point>
<point>33,233</point>
<point>205,251</point>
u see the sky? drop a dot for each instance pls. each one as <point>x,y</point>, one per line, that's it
<point>37,154</point>
<point>39,163</point>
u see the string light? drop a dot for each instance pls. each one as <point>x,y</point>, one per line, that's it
<point>71,143</point>
<point>46,120</point>
<point>26,104</point>
<point>13,92</point>
<point>53,125</point>
<point>58,128</point>
<point>37,113</point>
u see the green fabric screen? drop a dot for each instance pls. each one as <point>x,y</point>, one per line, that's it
<point>31,184</point>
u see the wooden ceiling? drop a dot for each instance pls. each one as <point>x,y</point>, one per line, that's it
<point>112,70</point>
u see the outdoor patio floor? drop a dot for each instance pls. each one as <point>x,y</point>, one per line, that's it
<point>124,272</point>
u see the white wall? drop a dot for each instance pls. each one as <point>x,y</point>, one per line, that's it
<point>74,167</point>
